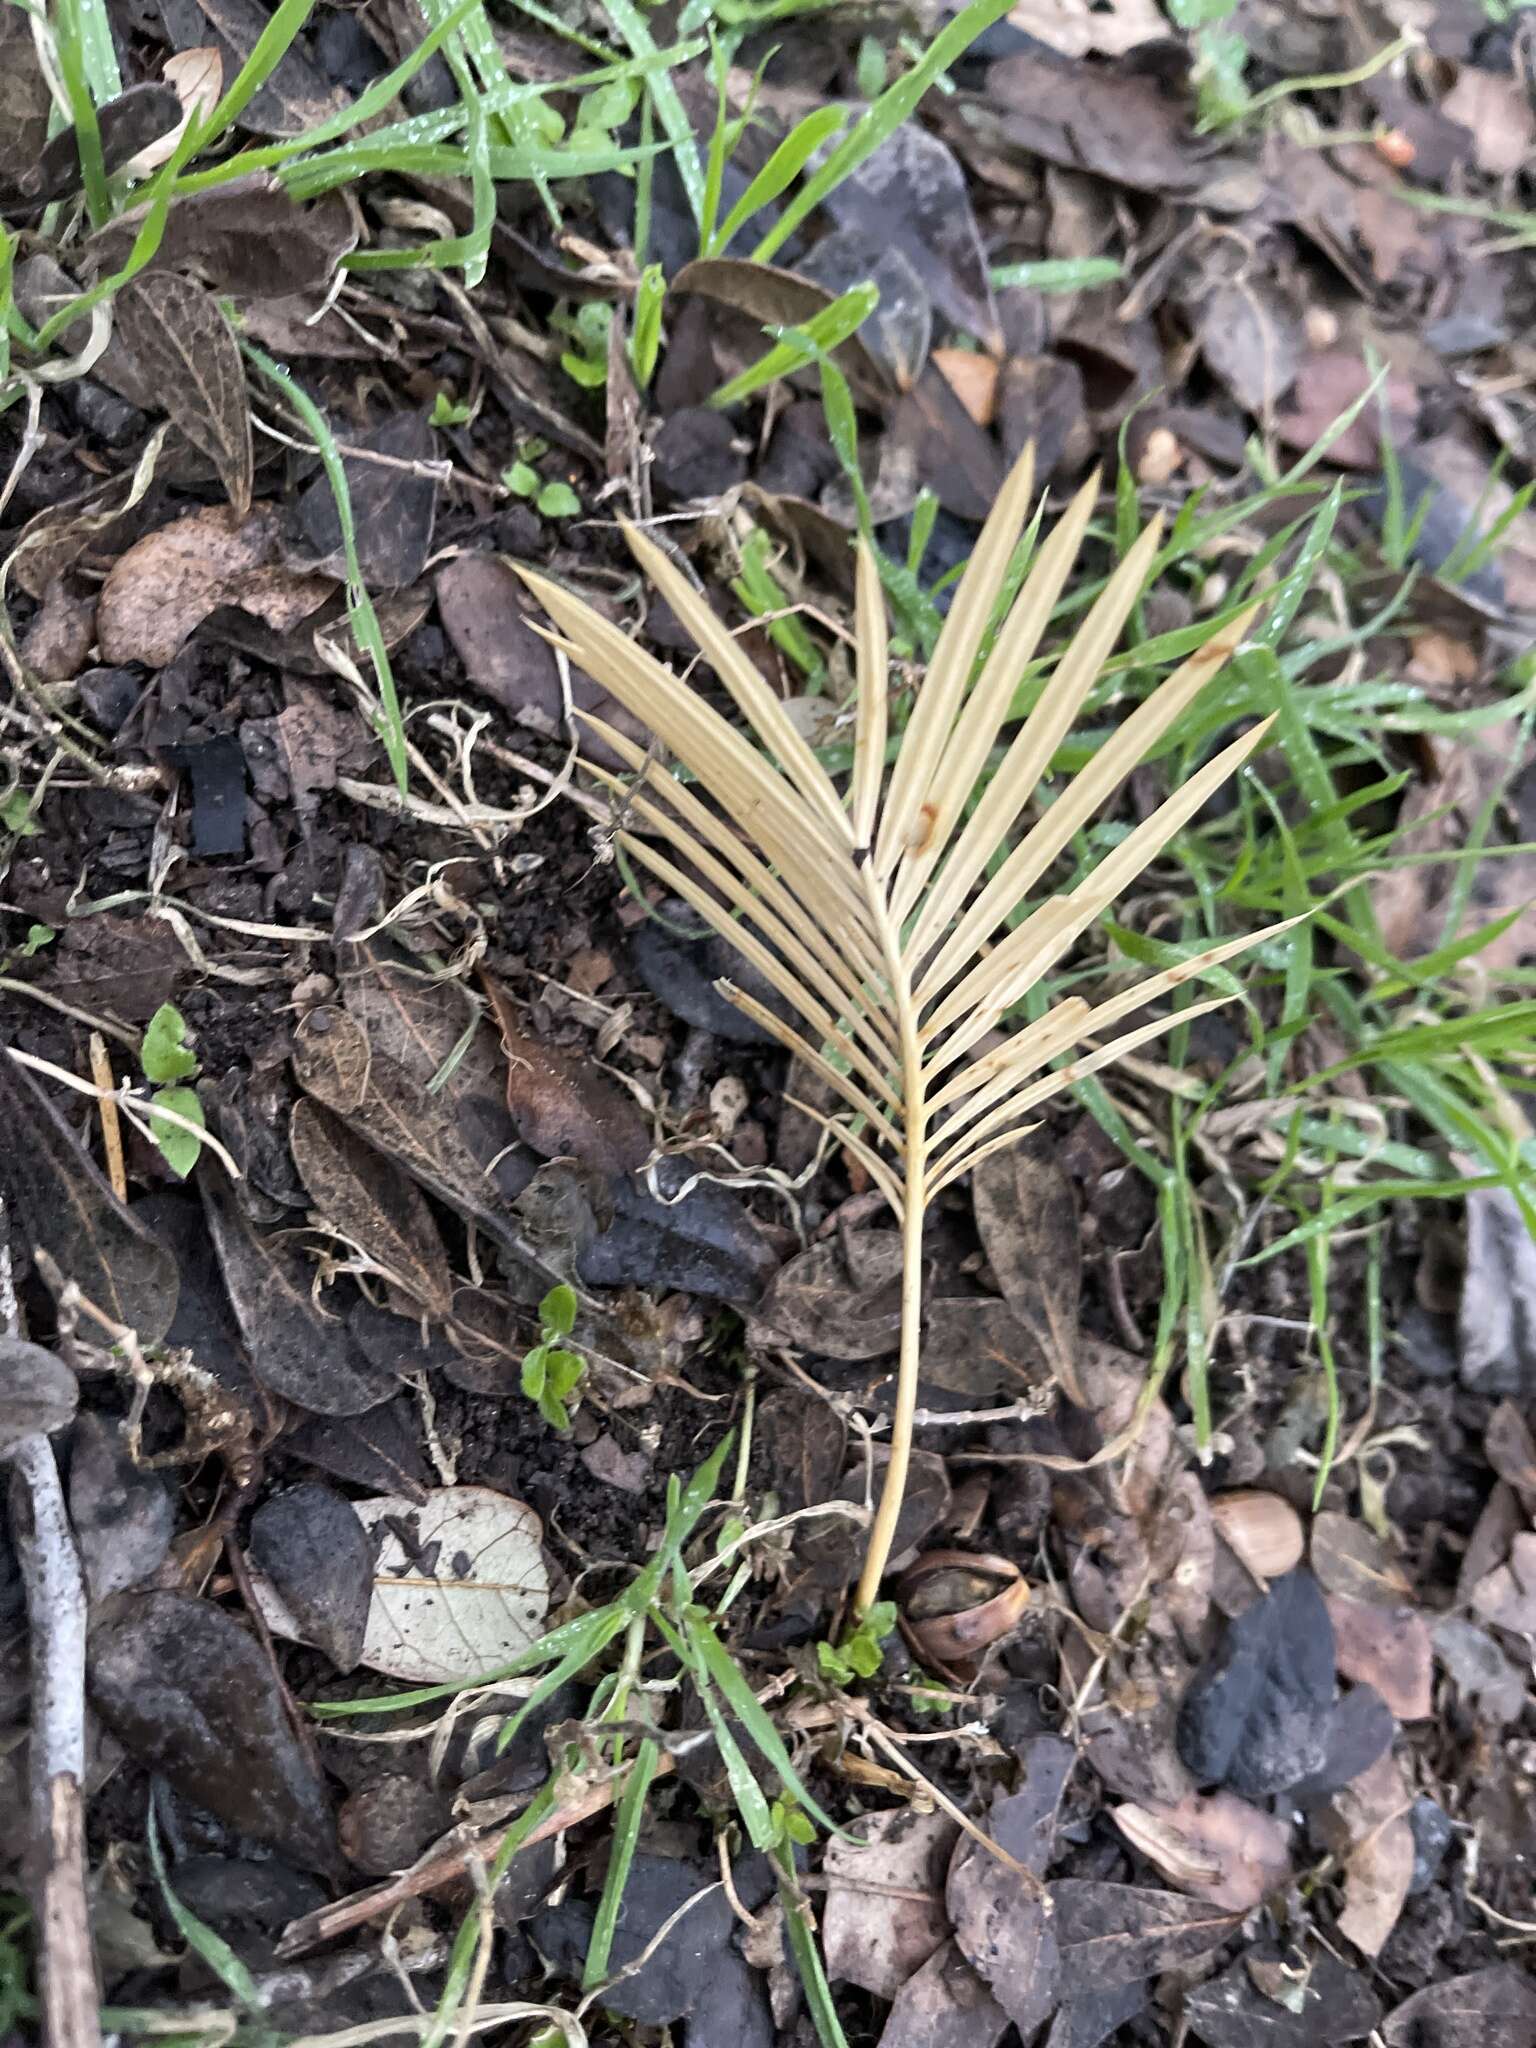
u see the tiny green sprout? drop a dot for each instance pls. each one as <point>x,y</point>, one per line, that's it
<point>16,815</point>
<point>550,1372</point>
<point>557,501</point>
<point>166,1059</point>
<point>645,339</point>
<point>521,479</point>
<point>38,936</point>
<point>858,1655</point>
<point>788,1823</point>
<point>587,327</point>
<point>927,1699</point>
<point>449,412</point>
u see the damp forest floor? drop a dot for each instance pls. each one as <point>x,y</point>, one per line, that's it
<point>442,1261</point>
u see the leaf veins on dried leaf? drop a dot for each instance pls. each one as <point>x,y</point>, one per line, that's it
<point>182,343</point>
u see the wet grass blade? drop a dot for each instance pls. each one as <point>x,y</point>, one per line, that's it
<point>621,1855</point>
<point>361,616</point>
<point>724,1672</point>
<point>881,118</point>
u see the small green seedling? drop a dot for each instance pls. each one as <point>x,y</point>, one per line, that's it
<point>38,936</point>
<point>789,1824</point>
<point>553,500</point>
<point>645,335</point>
<point>449,412</point>
<point>16,815</point>
<point>858,1655</point>
<point>586,360</point>
<point>550,1372</point>
<point>166,1059</point>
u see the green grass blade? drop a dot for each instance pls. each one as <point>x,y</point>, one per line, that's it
<point>632,26</point>
<point>882,118</point>
<point>724,1672</point>
<point>621,1855</point>
<point>82,111</point>
<point>780,171</point>
<point>802,1946</point>
<point>545,1650</point>
<point>606,1623</point>
<point>211,1948</point>
<point>362,617</point>
<point>685,1505</point>
<point>797,346</point>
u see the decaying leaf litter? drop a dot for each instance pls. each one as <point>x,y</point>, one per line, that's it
<point>409,1201</point>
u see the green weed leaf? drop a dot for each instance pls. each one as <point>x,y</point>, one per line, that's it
<point>165,1054</point>
<point>180,1147</point>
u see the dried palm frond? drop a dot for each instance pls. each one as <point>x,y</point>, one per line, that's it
<point>899,918</point>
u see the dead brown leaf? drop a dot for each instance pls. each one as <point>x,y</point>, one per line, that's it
<point>1348,1559</point>
<point>1002,1924</point>
<point>1074,27</point>
<point>1366,1824</point>
<point>1511,1450</point>
<point>884,1915</point>
<point>770,297</point>
<point>1212,1845</point>
<point>1115,124</point>
<point>1389,1648</point>
<point>162,589</point>
<point>1026,1214</point>
<point>1496,111</point>
<point>369,1202</point>
<point>1326,385</point>
<point>1413,901</point>
<point>945,2004</point>
<point>1117,1933</point>
<point>246,238</point>
<point>956,1604</point>
<point>63,629</point>
<point>841,1299</point>
<point>562,1106</point>
<point>1507,1597</point>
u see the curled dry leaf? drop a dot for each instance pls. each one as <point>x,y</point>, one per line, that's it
<point>159,592</point>
<point>197,79</point>
<point>1214,1846</point>
<point>878,1938</point>
<point>955,1604</point>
